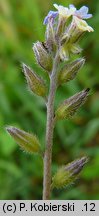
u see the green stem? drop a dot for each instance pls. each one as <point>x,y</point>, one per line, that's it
<point>49,131</point>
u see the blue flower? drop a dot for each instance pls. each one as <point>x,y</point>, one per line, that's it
<point>51,16</point>
<point>82,13</point>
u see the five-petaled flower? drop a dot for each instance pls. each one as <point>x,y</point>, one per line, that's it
<point>82,13</point>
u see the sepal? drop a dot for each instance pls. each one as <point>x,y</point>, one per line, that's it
<point>42,55</point>
<point>28,142</point>
<point>69,71</point>
<point>35,83</point>
<point>69,173</point>
<point>70,106</point>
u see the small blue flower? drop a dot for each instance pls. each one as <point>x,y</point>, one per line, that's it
<point>82,13</point>
<point>51,15</point>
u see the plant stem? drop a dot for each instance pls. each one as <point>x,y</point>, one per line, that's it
<point>49,131</point>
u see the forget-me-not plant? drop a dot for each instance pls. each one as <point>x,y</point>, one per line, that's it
<point>65,27</point>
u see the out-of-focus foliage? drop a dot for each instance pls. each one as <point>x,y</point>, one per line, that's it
<point>21,174</point>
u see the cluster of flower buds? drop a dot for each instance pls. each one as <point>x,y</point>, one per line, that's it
<point>63,32</point>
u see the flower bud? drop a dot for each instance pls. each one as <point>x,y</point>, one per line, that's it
<point>60,30</point>
<point>69,71</point>
<point>35,83</point>
<point>50,37</point>
<point>64,15</point>
<point>51,16</point>
<point>70,106</point>
<point>64,53</point>
<point>69,173</point>
<point>42,56</point>
<point>26,141</point>
<point>67,48</point>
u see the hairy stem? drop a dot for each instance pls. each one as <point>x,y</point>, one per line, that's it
<point>49,131</point>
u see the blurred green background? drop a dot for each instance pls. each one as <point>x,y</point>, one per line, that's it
<point>21,174</point>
